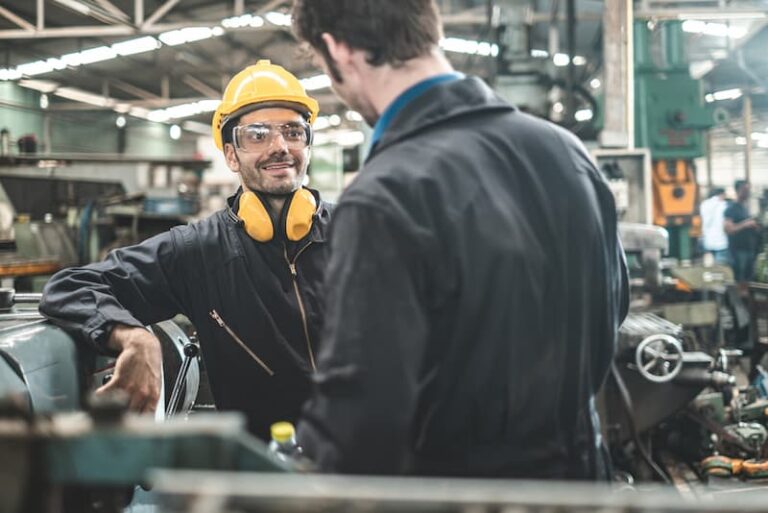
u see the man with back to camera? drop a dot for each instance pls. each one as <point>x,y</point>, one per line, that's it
<point>742,230</point>
<point>472,313</point>
<point>248,277</point>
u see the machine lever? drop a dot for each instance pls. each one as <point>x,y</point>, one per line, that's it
<point>190,352</point>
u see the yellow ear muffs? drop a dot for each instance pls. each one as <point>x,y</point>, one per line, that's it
<point>255,217</point>
<point>298,219</point>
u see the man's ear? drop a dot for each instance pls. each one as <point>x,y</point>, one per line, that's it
<point>230,155</point>
<point>339,51</point>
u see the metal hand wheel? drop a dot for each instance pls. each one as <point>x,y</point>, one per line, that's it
<point>659,358</point>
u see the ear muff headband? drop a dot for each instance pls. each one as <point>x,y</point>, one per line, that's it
<point>301,207</point>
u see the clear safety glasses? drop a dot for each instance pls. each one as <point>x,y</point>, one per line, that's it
<point>257,137</point>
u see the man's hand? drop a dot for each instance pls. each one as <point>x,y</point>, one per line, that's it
<point>138,367</point>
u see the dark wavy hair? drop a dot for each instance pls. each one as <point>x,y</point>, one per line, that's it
<point>389,31</point>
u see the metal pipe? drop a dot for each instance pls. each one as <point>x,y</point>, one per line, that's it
<point>748,135</point>
<point>108,6</point>
<point>119,30</point>
<point>570,80</point>
<point>161,11</point>
<point>708,141</point>
<point>618,77</point>
<point>14,18</point>
<point>138,12</point>
<point>27,297</point>
<point>40,14</point>
<point>628,15</point>
<point>19,316</point>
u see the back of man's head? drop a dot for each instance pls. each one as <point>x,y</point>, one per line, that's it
<point>389,31</point>
<point>717,191</point>
<point>738,184</point>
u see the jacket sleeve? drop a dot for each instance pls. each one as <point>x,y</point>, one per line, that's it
<point>359,415</point>
<point>135,286</point>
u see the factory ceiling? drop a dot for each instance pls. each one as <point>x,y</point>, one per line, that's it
<point>181,52</point>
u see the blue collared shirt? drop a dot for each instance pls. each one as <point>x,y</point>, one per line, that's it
<point>404,99</point>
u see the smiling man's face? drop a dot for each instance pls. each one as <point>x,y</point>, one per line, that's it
<point>280,167</point>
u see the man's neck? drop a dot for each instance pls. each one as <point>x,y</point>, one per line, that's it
<point>275,202</point>
<point>387,83</point>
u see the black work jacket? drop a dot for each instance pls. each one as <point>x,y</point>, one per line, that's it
<point>229,286</point>
<point>474,293</point>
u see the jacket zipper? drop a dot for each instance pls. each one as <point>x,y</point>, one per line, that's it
<point>292,267</point>
<point>216,317</point>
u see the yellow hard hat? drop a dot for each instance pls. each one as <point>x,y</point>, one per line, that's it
<point>262,82</point>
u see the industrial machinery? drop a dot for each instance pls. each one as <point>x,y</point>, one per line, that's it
<point>670,120</point>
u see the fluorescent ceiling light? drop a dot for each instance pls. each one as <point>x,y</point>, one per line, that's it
<point>98,54</point>
<point>583,115</point>
<point>246,20</point>
<point>134,46</point>
<point>188,35</point>
<point>595,83</point>
<point>175,132</point>
<point>352,115</point>
<point>184,110</point>
<point>714,29</point>
<point>540,54</point>
<point>197,127</point>
<point>31,69</point>
<point>278,18</point>
<point>727,94</point>
<point>562,59</point>
<point>344,138</point>
<point>321,123</point>
<point>468,46</point>
<point>10,74</point>
<point>558,107</point>
<point>741,141</point>
<point>743,15</point>
<point>139,112</point>
<point>316,82</point>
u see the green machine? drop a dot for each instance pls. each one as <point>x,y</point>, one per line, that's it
<point>670,120</point>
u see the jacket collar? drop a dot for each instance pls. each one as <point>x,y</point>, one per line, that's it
<point>440,103</point>
<point>321,218</point>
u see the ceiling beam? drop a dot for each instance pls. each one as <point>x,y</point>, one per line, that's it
<point>132,89</point>
<point>40,14</point>
<point>98,31</point>
<point>109,6</point>
<point>138,12</point>
<point>200,86</point>
<point>16,19</point>
<point>92,10</point>
<point>160,12</point>
<point>270,6</point>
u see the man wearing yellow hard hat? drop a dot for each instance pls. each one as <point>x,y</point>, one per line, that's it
<point>248,277</point>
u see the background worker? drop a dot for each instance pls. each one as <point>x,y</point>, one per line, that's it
<point>476,281</point>
<point>248,277</point>
<point>743,235</point>
<point>714,239</point>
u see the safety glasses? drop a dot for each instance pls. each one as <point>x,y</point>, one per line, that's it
<point>257,137</point>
